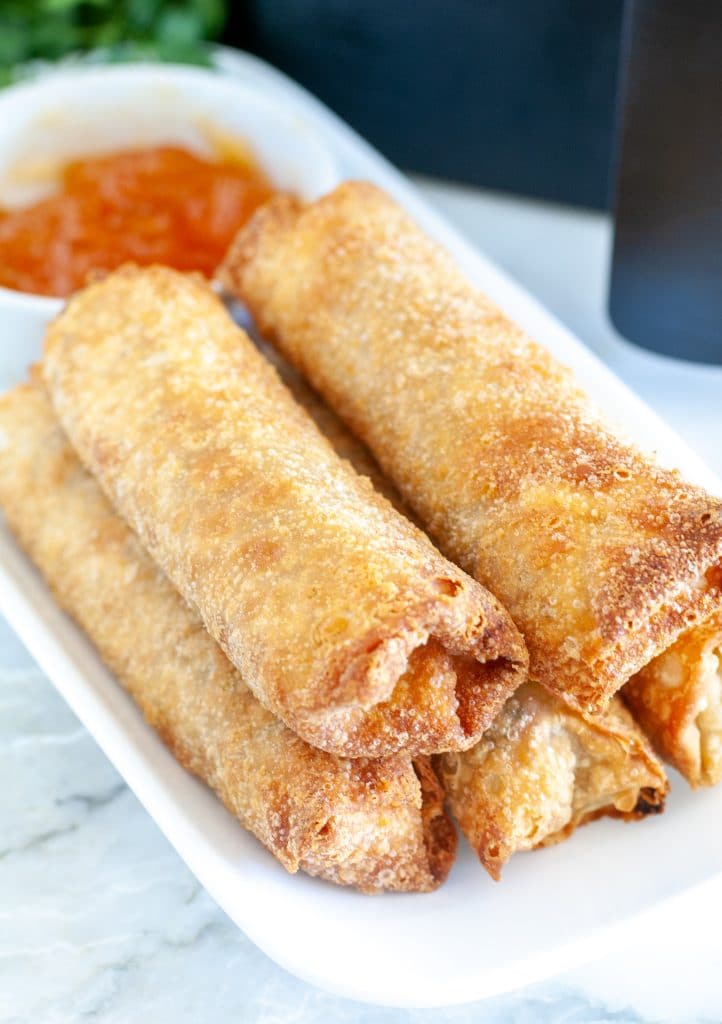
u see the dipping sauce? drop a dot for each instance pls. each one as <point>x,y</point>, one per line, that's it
<point>157,205</point>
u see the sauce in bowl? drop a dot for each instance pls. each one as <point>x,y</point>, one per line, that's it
<point>157,205</point>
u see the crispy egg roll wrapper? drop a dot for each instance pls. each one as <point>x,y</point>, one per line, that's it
<point>543,769</point>
<point>344,443</point>
<point>375,824</point>
<point>677,699</point>
<point>342,617</point>
<point>602,557</point>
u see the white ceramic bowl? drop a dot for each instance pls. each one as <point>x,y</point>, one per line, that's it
<point>83,111</point>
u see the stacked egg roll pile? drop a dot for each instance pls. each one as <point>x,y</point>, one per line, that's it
<point>256,582</point>
<point>376,824</point>
<point>343,618</point>
<point>610,564</point>
<point>216,509</point>
<point>244,506</point>
<point>543,768</point>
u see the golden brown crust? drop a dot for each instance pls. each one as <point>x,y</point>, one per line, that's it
<point>677,699</point>
<point>543,770</point>
<point>344,443</point>
<point>602,557</point>
<point>356,822</point>
<point>552,769</point>
<point>609,777</point>
<point>440,834</point>
<point>342,616</point>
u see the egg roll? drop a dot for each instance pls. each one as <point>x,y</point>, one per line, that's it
<point>543,769</point>
<point>344,443</point>
<point>677,699</point>
<point>375,824</point>
<point>341,616</point>
<point>602,557</point>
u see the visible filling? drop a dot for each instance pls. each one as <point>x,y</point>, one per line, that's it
<point>709,718</point>
<point>541,770</point>
<point>441,700</point>
<point>607,776</point>
<point>678,701</point>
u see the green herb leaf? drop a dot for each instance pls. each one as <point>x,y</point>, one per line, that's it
<point>174,30</point>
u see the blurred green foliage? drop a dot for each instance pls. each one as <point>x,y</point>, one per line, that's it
<point>123,29</point>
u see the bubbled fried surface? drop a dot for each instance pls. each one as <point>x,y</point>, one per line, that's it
<point>543,769</point>
<point>601,556</point>
<point>316,589</point>
<point>552,768</point>
<point>356,822</point>
<point>344,443</point>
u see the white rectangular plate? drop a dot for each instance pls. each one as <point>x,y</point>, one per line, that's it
<point>472,938</point>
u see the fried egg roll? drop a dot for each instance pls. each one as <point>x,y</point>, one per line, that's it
<point>375,824</point>
<point>543,769</point>
<point>344,443</point>
<point>677,699</point>
<point>341,616</point>
<point>602,557</point>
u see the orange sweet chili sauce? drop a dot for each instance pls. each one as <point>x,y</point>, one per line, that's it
<point>158,205</point>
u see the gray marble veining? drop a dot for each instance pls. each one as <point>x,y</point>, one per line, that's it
<point>100,920</point>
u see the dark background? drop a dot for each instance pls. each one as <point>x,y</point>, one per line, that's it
<point>517,95</point>
<point>522,96</point>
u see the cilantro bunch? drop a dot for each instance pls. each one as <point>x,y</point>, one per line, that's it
<point>168,30</point>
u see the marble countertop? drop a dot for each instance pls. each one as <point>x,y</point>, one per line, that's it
<point>100,919</point>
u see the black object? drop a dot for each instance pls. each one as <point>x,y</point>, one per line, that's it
<point>510,94</point>
<point>666,282</point>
